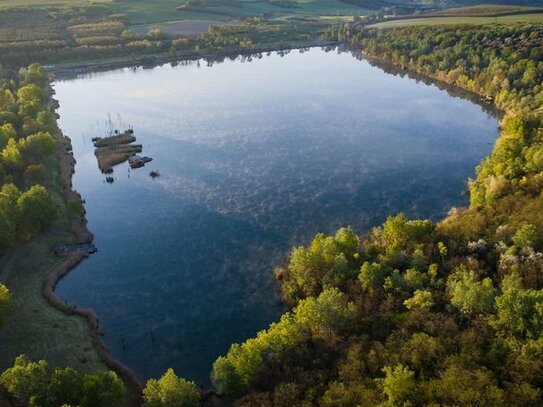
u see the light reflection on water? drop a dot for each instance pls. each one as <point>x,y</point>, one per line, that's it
<point>254,157</point>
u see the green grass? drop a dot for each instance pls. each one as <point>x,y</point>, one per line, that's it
<point>34,327</point>
<point>510,19</point>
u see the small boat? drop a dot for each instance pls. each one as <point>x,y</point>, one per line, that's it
<point>136,164</point>
<point>154,174</point>
<point>109,179</point>
<point>136,161</point>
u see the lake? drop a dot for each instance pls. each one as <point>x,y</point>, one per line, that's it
<point>255,155</point>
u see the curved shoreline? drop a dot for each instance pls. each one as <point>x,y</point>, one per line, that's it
<point>79,228</point>
<point>83,235</point>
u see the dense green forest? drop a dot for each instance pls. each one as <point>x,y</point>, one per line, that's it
<point>415,313</point>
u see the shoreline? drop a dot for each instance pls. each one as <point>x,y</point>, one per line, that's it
<point>78,227</point>
<point>395,68</point>
<point>71,69</point>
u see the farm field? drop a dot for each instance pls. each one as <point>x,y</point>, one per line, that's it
<point>475,20</point>
<point>478,15</point>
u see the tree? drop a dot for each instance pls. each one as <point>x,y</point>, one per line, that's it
<point>35,385</point>
<point>170,391</point>
<point>7,231</point>
<point>36,74</point>
<point>101,389</point>
<point>35,174</point>
<point>328,262</point>
<point>459,386</point>
<point>7,132</point>
<point>9,193</point>
<point>398,385</point>
<point>4,302</point>
<point>65,386</point>
<point>39,145</point>
<point>470,295</point>
<point>12,156</point>
<point>519,312</point>
<point>30,99</point>
<point>420,299</point>
<point>527,235</point>
<point>27,381</point>
<point>372,275</point>
<point>36,211</point>
<point>327,314</point>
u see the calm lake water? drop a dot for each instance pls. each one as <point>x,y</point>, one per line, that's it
<point>254,156</point>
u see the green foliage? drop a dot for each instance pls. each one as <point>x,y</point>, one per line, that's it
<point>372,275</point>
<point>323,317</point>
<point>241,367</point>
<point>420,299</point>
<point>468,387</point>
<point>27,381</point>
<point>4,303</point>
<point>399,385</point>
<point>400,238</point>
<point>328,262</point>
<point>7,231</point>
<point>170,391</point>
<point>519,311</point>
<point>527,235</point>
<point>470,295</point>
<point>326,314</point>
<point>36,211</point>
<point>37,385</point>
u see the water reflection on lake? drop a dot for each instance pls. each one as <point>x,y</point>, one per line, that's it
<point>254,157</point>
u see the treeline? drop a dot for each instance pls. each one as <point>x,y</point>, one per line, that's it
<point>27,155</point>
<point>415,313</point>
<point>504,62</point>
<point>35,384</point>
<point>253,33</point>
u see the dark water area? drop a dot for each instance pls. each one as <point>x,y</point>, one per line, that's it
<point>254,157</point>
